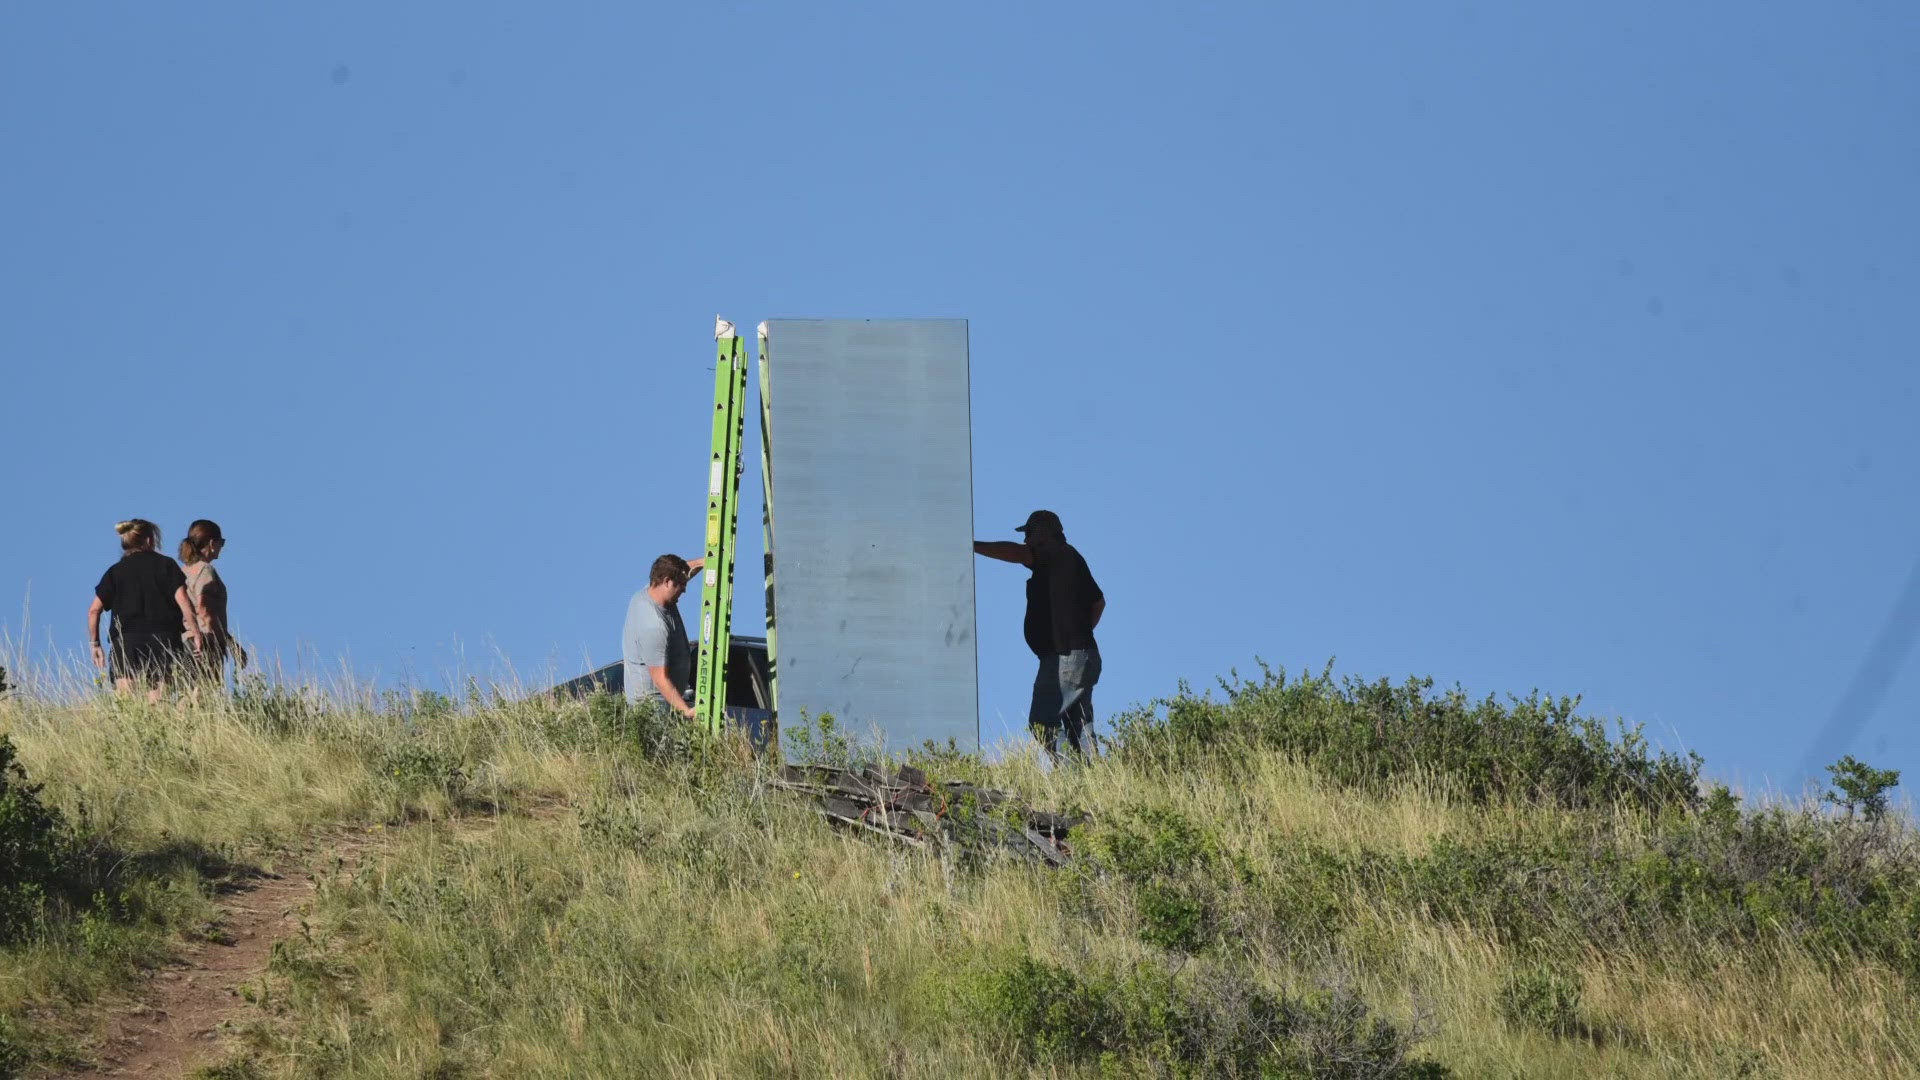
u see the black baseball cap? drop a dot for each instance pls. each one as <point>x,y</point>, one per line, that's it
<point>1042,519</point>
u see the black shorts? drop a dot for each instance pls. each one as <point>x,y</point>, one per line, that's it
<point>145,657</point>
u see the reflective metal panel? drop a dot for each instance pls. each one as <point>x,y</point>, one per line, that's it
<point>871,486</point>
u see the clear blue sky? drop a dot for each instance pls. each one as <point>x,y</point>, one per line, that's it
<point>1516,344</point>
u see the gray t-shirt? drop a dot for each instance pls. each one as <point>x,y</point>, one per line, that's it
<point>654,637</point>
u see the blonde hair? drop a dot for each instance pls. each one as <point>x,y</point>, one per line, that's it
<point>136,534</point>
<point>200,537</point>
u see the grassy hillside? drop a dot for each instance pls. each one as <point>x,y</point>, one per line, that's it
<point>1286,877</point>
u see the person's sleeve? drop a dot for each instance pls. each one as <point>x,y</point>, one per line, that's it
<point>105,590</point>
<point>176,577</point>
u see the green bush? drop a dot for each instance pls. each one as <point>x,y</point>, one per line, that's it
<point>818,740</point>
<point>415,765</point>
<point>272,709</point>
<point>1861,787</point>
<point>35,848</point>
<point>1837,887</point>
<point>1551,889</point>
<point>15,1055</point>
<point>1542,996</point>
<point>239,1068</point>
<point>609,715</point>
<point>1719,875</point>
<point>1173,868</point>
<point>1368,734</point>
<point>1054,1012</point>
<point>649,728</point>
<point>1200,1021</point>
<point>1742,1063</point>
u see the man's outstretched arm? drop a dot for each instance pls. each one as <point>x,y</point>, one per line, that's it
<point>1005,550</point>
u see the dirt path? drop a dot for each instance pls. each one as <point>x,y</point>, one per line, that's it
<point>176,1024</point>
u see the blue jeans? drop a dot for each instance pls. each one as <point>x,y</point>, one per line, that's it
<point>1063,698</point>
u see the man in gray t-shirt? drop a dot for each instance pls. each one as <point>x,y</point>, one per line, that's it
<point>659,663</point>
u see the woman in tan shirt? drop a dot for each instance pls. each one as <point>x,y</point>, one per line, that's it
<point>208,595</point>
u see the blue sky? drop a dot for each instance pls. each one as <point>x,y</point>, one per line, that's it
<point>1515,344</point>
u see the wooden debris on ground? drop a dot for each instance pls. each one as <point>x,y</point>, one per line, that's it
<point>910,808</point>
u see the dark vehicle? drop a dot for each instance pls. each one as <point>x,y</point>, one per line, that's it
<point>749,685</point>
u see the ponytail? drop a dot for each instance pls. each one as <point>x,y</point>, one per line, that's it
<point>200,538</point>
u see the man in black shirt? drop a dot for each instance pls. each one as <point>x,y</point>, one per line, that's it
<point>1064,604</point>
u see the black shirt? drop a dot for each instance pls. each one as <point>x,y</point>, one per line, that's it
<point>139,591</point>
<point>1060,598</point>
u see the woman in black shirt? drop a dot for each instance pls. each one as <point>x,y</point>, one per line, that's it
<point>147,594</point>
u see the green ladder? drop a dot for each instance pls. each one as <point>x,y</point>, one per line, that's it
<point>723,517</point>
<point>766,515</point>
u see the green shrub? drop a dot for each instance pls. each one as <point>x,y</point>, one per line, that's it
<point>415,765</point>
<point>1541,996</point>
<point>609,716</point>
<point>808,962</point>
<point>1741,1063</point>
<point>1861,787</point>
<point>35,848</point>
<point>14,1053</point>
<point>1054,1012</point>
<point>1837,887</point>
<point>1368,734</point>
<point>1173,868</point>
<point>818,740</point>
<point>1307,901</point>
<point>416,706</point>
<point>238,1068</point>
<point>649,728</point>
<point>1338,1035</point>
<point>949,762</point>
<point>1514,885</point>
<point>1208,1020</point>
<point>272,709</point>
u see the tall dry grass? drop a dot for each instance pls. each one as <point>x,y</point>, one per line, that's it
<point>544,900</point>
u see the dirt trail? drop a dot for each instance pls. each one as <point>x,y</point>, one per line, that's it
<point>175,1024</point>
